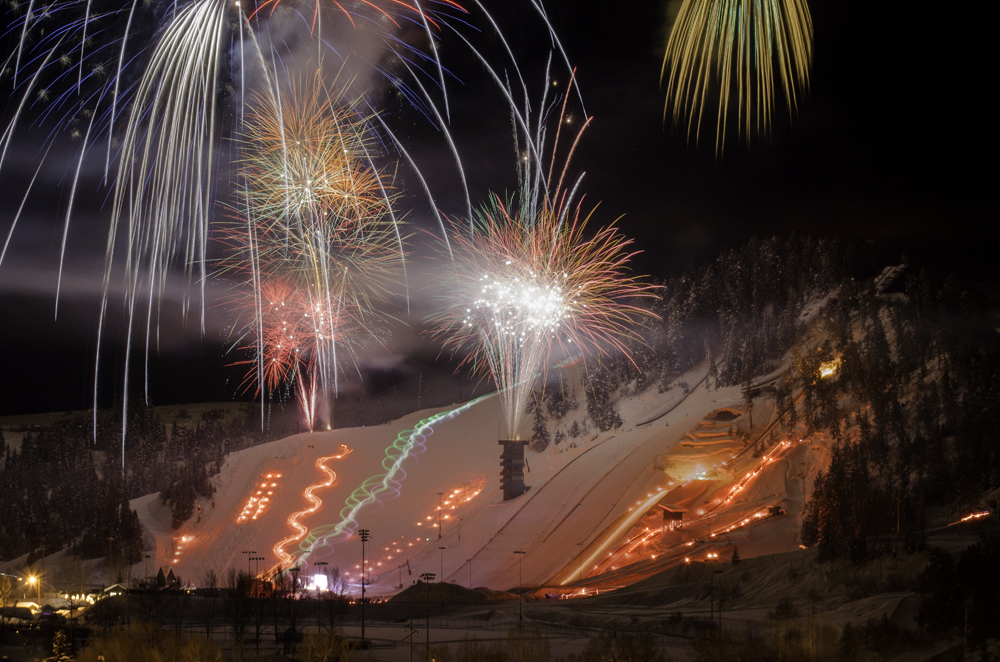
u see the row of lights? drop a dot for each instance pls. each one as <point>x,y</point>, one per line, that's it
<point>257,503</point>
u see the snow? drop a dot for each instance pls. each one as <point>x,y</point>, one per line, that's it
<point>590,507</point>
<point>585,495</point>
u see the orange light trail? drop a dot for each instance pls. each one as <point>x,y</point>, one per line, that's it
<point>631,544</point>
<point>284,558</point>
<point>770,457</point>
<point>972,516</point>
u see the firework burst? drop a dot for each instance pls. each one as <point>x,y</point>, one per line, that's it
<point>137,86</point>
<point>528,285</point>
<point>319,244</point>
<point>744,47</point>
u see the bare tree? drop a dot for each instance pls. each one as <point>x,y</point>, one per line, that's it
<point>335,599</point>
<point>178,602</point>
<point>237,607</point>
<point>277,602</point>
<point>210,582</point>
<point>258,609</point>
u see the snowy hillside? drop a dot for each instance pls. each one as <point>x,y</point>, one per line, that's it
<point>588,496</point>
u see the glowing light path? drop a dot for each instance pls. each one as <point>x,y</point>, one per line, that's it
<point>384,486</point>
<point>284,558</point>
<point>600,551</point>
<point>627,523</point>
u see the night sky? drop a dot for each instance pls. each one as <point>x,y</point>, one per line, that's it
<point>893,144</point>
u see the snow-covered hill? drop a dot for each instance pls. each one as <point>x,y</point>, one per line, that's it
<point>587,496</point>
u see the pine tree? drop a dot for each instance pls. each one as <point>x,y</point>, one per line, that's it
<point>793,414</point>
<point>809,534</point>
<point>62,650</point>
<point>539,432</point>
<point>712,377</point>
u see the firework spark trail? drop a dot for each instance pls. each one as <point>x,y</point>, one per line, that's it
<point>285,559</point>
<point>528,281</point>
<point>381,487</point>
<point>147,195</point>
<point>738,36</point>
<point>163,166</point>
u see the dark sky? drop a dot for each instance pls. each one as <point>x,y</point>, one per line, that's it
<point>893,143</point>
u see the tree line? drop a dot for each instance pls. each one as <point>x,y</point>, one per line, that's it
<point>64,485</point>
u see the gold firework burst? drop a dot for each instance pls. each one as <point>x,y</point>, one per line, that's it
<point>742,47</point>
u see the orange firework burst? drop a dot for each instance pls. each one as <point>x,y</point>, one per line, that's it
<point>309,161</point>
<point>292,329</point>
<point>320,241</point>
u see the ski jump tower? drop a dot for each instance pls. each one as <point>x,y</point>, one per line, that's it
<point>512,468</point>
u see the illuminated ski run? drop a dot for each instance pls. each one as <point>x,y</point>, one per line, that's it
<point>381,487</point>
<point>284,558</point>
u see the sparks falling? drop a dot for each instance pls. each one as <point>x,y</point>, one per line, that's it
<point>526,287</point>
<point>318,243</point>
<point>759,44</point>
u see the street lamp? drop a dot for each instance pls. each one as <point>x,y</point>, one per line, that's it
<point>427,578</point>
<point>321,568</point>
<point>319,610</point>
<point>248,552</point>
<point>363,534</point>
<point>520,556</point>
<point>295,582</point>
<point>712,558</point>
<point>258,559</point>
<point>442,562</point>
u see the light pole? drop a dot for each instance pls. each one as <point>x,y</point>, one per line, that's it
<point>249,553</point>
<point>579,559</point>
<point>427,578</point>
<point>442,562</point>
<point>145,571</point>
<point>295,582</point>
<point>363,534</point>
<point>520,616</point>
<point>321,568</point>
<point>711,559</point>
<point>319,610</point>
<point>470,573</point>
<point>440,494</point>
<point>258,559</point>
<point>711,591</point>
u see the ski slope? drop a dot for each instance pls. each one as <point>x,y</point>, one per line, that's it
<point>587,497</point>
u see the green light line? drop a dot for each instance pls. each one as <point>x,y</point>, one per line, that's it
<point>373,488</point>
